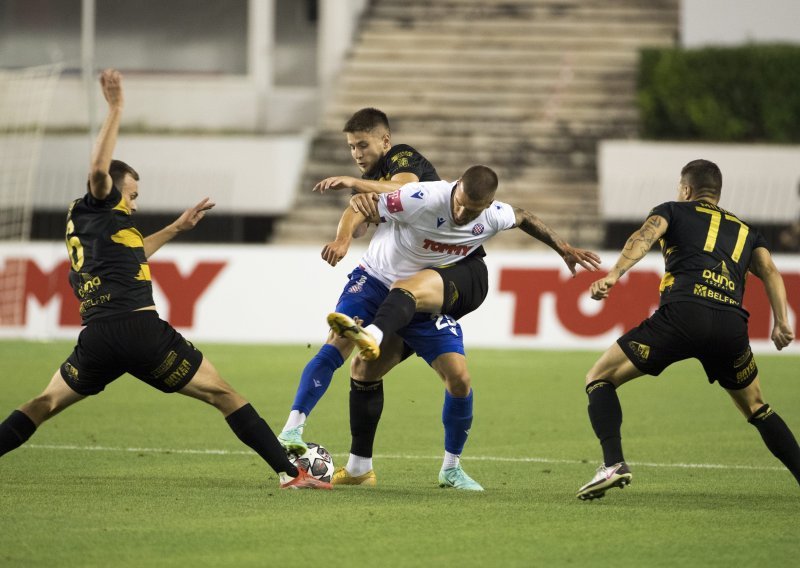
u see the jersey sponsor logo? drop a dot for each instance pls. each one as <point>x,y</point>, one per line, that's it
<point>439,222</point>
<point>477,229</point>
<point>401,157</point>
<point>178,374</point>
<point>747,372</point>
<point>704,292</point>
<point>166,364</point>
<point>91,284</point>
<point>435,246</point>
<point>418,195</point>
<point>71,371</point>
<point>742,359</point>
<point>358,286</point>
<point>393,202</point>
<point>719,280</point>
<point>640,350</point>
<point>92,302</point>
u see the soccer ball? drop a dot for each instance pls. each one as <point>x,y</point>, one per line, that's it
<point>317,461</point>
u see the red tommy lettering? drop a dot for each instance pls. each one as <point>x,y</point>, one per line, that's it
<point>459,250</point>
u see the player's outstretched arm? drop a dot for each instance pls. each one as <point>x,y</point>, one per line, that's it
<point>187,221</point>
<point>397,181</point>
<point>761,265</point>
<point>100,182</point>
<point>634,250</point>
<point>336,250</point>
<point>538,229</point>
<point>359,185</point>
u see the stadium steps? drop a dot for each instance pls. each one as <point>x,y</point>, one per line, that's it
<point>528,87</point>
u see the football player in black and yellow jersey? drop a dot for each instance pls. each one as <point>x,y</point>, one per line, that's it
<point>708,252</point>
<point>123,333</point>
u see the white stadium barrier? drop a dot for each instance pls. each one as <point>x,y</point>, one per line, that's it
<point>221,293</point>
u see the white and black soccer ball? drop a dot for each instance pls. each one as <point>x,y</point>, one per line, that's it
<point>316,461</point>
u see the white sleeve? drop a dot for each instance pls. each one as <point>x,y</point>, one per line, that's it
<point>401,206</point>
<point>502,216</point>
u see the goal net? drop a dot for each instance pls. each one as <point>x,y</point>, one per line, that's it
<point>25,96</point>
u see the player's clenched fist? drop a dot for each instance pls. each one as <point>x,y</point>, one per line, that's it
<point>601,288</point>
<point>333,252</point>
<point>111,82</point>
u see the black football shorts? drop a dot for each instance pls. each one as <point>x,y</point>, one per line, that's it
<point>139,343</point>
<point>466,284</point>
<point>683,330</point>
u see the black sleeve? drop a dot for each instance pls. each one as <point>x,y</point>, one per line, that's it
<point>664,210</point>
<point>403,158</point>
<point>759,240</point>
<point>111,201</point>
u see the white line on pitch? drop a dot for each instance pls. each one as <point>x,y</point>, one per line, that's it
<point>467,457</point>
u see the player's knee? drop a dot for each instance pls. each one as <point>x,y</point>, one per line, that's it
<point>365,371</point>
<point>458,384</point>
<point>608,374</point>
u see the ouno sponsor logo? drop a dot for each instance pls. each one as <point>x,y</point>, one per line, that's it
<point>718,280</point>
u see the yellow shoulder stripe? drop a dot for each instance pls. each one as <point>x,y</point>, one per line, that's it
<point>144,272</point>
<point>129,237</point>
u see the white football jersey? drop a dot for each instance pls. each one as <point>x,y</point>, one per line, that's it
<point>417,231</point>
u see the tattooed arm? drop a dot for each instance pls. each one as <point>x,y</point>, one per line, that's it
<point>634,250</point>
<point>536,228</point>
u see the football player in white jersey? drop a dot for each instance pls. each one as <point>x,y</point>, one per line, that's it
<point>438,225</point>
<point>385,167</point>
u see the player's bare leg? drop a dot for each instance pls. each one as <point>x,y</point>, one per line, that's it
<point>207,385</point>
<point>421,292</point>
<point>366,406</point>
<point>428,290</point>
<point>23,422</point>
<point>56,397</point>
<point>456,418</point>
<point>776,434</point>
<point>610,371</point>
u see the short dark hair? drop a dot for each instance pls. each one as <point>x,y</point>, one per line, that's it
<point>479,182</point>
<point>703,177</point>
<point>366,120</point>
<point>118,170</point>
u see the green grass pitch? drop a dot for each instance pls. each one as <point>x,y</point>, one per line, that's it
<point>133,477</point>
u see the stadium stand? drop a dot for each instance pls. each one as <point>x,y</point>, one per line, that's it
<point>527,87</point>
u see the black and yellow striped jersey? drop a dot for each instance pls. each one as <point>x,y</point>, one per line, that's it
<point>402,158</point>
<point>109,272</point>
<point>707,253</point>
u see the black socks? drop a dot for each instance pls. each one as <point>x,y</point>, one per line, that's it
<point>605,414</point>
<point>254,431</point>
<point>366,406</point>
<point>396,311</point>
<point>15,431</point>
<point>778,438</point>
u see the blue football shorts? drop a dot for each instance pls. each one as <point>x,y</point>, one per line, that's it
<point>428,335</point>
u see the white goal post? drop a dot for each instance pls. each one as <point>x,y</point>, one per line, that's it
<point>25,96</point>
